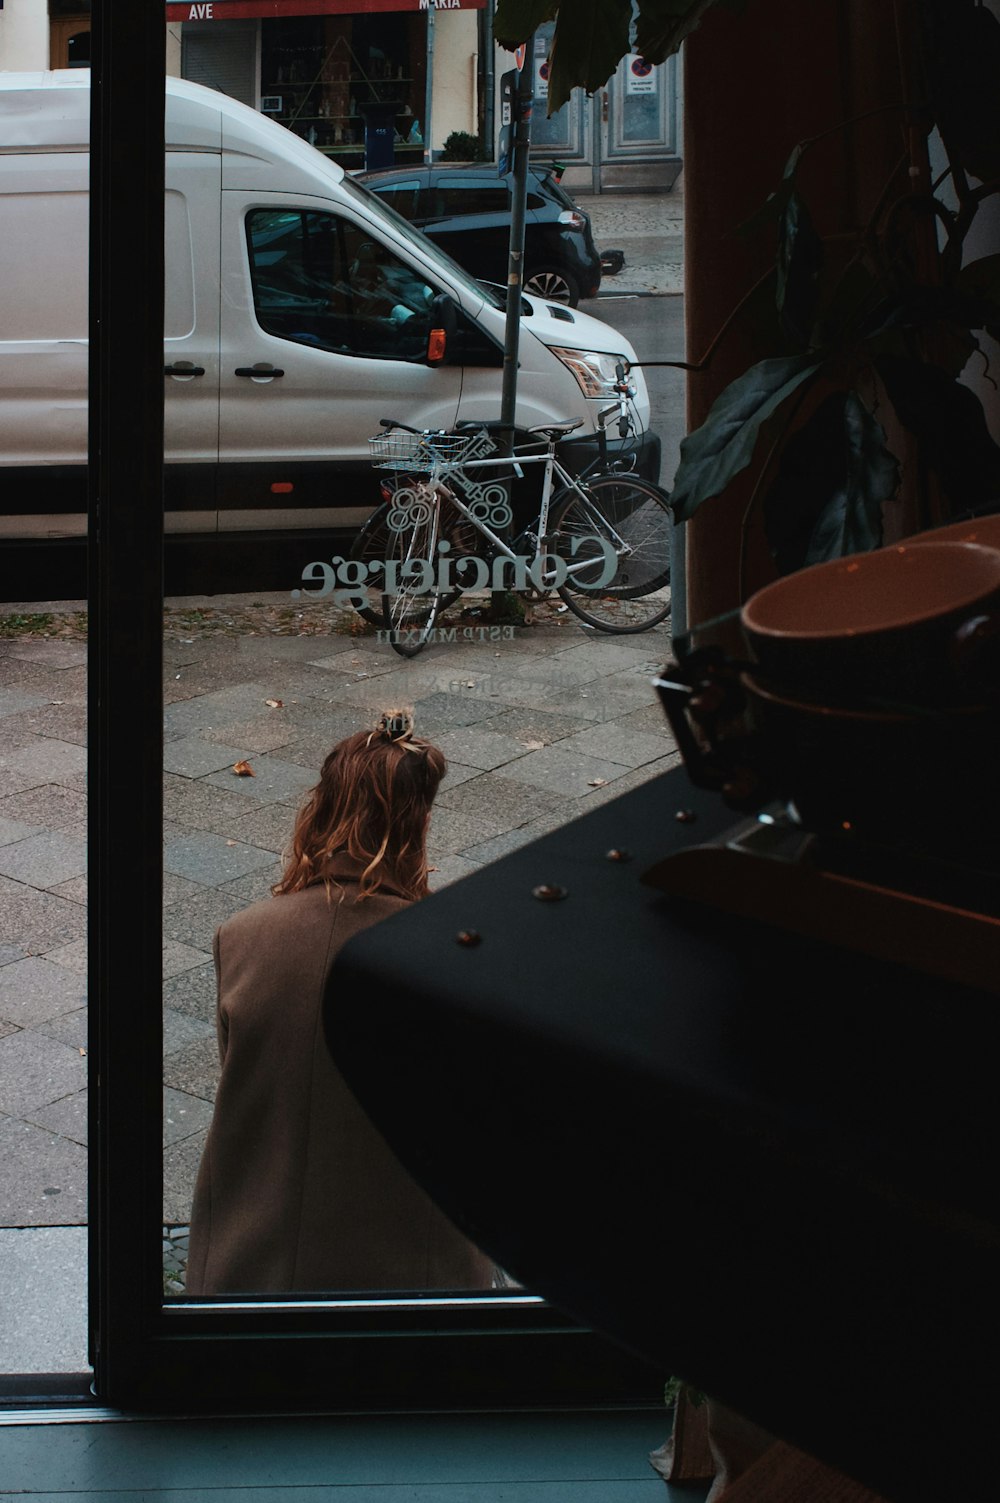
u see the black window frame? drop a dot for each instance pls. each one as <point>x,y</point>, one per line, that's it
<point>190,1356</point>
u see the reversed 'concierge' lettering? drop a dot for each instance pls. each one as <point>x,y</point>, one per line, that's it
<point>447,634</point>
<point>347,580</point>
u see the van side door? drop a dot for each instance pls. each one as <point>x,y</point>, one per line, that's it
<point>324,332</point>
<point>44,199</point>
<point>192,216</point>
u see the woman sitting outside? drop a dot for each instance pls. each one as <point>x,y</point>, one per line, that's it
<point>296,1189</point>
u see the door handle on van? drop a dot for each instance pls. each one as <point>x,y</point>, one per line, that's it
<point>183,368</point>
<point>258,372</point>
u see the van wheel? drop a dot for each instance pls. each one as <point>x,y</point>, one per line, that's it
<point>553,285</point>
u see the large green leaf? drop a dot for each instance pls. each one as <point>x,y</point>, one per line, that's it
<point>963,66</point>
<point>851,520</point>
<point>949,425</point>
<point>724,444</point>
<point>515,20</point>
<point>587,52</point>
<point>834,477</point>
<point>800,260</point>
<point>662,25</point>
<point>981,279</point>
<point>592,36</point>
<point>919,307</point>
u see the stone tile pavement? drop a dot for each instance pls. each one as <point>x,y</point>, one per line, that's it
<point>649,228</point>
<point>536,730</point>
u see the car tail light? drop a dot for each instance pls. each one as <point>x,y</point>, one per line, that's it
<point>574,218</point>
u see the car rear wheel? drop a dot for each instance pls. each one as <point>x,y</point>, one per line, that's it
<point>552,284</point>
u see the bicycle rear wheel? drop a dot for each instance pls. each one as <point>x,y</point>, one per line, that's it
<point>619,530</point>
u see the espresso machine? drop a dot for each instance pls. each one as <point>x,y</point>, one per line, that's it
<point>850,715</point>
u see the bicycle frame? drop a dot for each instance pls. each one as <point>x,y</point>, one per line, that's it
<point>438,483</point>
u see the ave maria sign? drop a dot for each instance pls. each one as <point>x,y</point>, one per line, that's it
<point>237,10</point>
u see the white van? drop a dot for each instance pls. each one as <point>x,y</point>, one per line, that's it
<point>298,314</point>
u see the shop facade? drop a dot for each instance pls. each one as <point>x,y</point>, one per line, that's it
<point>37,34</point>
<point>375,82</point>
<point>625,137</point>
<point>367,82</point>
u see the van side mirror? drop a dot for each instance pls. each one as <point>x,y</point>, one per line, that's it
<point>442,329</point>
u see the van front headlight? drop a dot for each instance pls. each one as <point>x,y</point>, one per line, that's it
<point>594,370</point>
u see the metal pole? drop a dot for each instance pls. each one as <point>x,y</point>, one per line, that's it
<point>515,276</point>
<point>489,84</point>
<point>429,86</point>
<point>515,261</point>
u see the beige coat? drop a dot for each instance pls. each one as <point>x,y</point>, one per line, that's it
<point>296,1189</point>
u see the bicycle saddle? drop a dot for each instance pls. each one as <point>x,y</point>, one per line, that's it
<point>557,430</point>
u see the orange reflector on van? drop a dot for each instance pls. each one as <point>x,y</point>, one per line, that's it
<point>281,487</point>
<point>437,340</point>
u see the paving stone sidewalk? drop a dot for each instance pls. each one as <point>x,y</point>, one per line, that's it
<point>537,730</point>
<point>649,228</point>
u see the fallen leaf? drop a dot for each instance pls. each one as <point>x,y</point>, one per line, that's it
<point>243,770</point>
<point>534,745</point>
<point>275,704</point>
<point>596,782</point>
<point>232,842</point>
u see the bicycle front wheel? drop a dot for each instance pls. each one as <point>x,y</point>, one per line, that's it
<point>377,541</point>
<point>614,543</point>
<point>411,600</point>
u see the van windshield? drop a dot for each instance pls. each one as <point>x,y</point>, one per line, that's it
<point>376,206</point>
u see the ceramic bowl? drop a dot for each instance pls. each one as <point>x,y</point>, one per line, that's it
<point>883,628</point>
<point>982,530</point>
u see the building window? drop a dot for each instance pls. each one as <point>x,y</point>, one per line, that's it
<point>328,78</point>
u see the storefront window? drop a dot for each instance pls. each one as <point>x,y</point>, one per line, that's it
<point>335,79</point>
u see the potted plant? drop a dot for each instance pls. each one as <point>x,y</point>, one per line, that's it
<point>862,346</point>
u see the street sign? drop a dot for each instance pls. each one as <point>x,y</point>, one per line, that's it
<point>641,78</point>
<point>519,55</point>
<point>508,101</point>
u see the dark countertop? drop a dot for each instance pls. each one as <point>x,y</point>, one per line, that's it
<point>763,1162</point>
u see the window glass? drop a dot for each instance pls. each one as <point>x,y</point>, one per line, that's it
<point>178,313</point>
<point>371,206</point>
<point>43,752</point>
<point>472,198</point>
<point>320,280</point>
<point>404,197</point>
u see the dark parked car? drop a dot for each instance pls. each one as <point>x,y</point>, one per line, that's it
<point>465,209</point>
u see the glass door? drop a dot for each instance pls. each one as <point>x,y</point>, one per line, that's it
<point>218,687</point>
<point>638,116</point>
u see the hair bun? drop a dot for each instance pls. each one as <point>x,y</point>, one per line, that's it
<point>396,725</point>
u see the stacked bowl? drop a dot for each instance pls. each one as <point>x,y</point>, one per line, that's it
<point>875,692</point>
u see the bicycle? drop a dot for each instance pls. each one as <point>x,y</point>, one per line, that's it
<point>602,542</point>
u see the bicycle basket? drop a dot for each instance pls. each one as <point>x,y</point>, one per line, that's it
<point>423,452</point>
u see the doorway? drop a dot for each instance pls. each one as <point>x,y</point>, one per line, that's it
<point>69,42</point>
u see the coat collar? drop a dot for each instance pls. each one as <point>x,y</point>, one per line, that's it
<point>343,868</point>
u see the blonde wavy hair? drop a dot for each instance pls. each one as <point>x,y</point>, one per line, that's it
<point>372,802</point>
